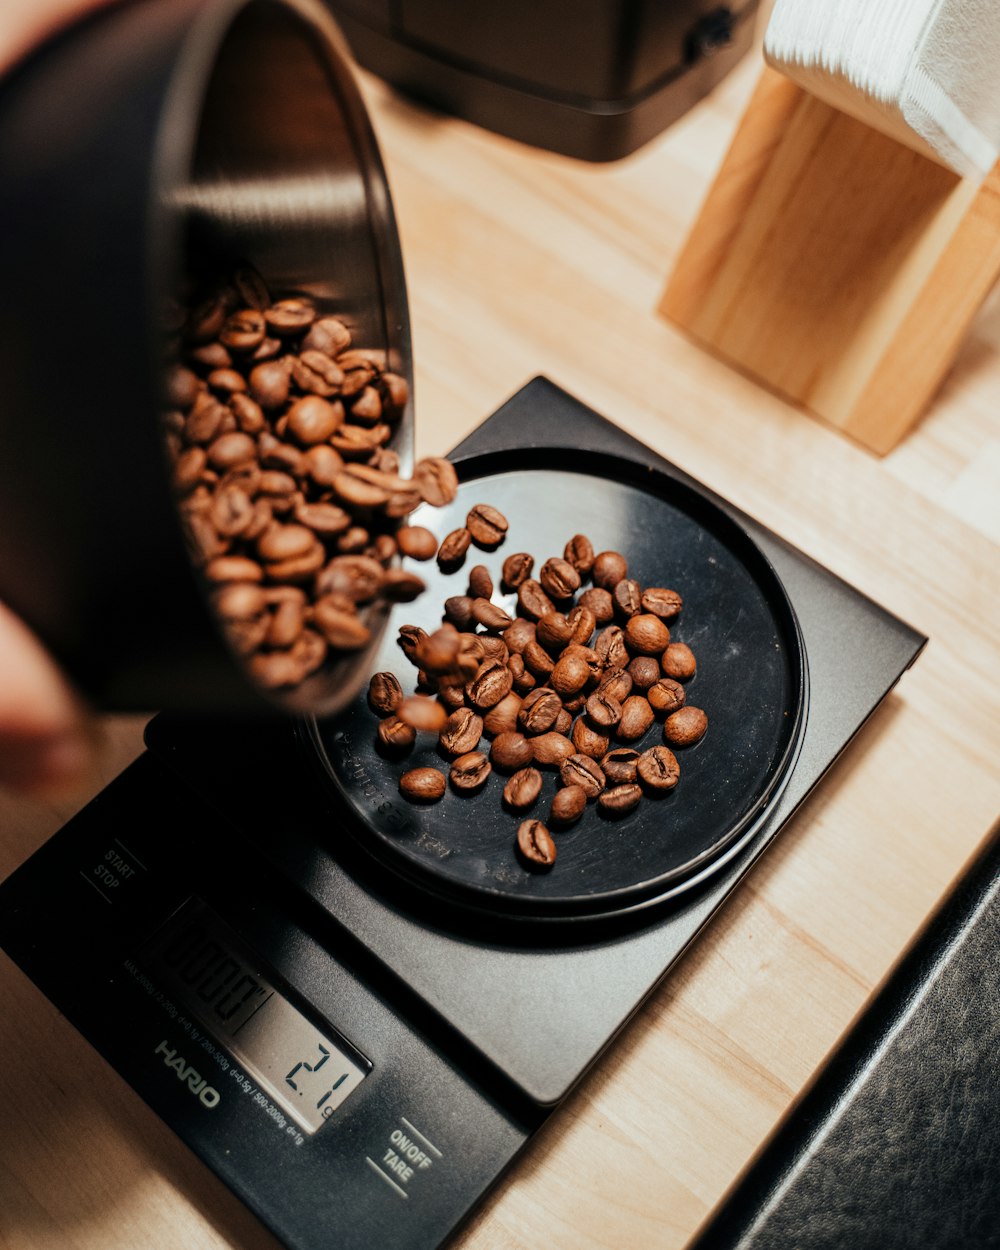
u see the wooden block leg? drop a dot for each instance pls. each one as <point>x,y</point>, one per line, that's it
<point>835,265</point>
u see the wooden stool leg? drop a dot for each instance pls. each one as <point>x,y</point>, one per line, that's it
<point>835,265</point>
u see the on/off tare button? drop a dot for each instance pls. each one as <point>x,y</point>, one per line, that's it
<point>406,1154</point>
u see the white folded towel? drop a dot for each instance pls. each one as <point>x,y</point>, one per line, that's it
<point>926,72</point>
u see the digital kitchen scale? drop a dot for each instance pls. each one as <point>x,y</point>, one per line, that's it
<point>357,1010</point>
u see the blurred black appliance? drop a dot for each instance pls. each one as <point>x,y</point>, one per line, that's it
<point>593,79</point>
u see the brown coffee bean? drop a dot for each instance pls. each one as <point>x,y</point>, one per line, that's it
<point>322,464</point>
<point>182,387</point>
<point>356,576</point>
<point>231,511</point>
<point>644,671</point>
<point>518,635</point>
<point>423,785</point>
<point>627,596</point>
<point>617,683</point>
<point>341,629</point>
<point>452,551</point>
<point>539,710</point>
<point>489,615</point>
<point>233,569</point>
<point>316,374</point>
<point>325,519</point>
<point>290,316</point>
<point>188,469</point>
<point>600,603</point>
<point>559,578</point>
<point>493,648</point>
<point>568,805</point>
<point>537,660</point>
<point>636,718</point>
<point>666,695</point>
<point>511,751</point>
<point>580,553</point>
<point>206,320</point>
<point>646,634</point>
<point>589,657</point>
<point>532,601</point>
<point>271,669</point>
<point>231,449</point>
<point>574,705</point>
<point>685,727</point>
<point>226,382</point>
<point>589,741</point>
<point>487,526</point>
<point>470,771</point>
<point>563,723</point>
<point>353,541</point>
<point>663,603</point>
<point>384,550</point>
<point>270,384</point>
<point>523,681</point>
<point>248,413</point>
<point>583,623</point>
<point>489,686</point>
<point>366,405</point>
<point>608,570</point>
<point>356,492</point>
<point>516,569</point>
<point>243,330</point>
<point>268,349</point>
<point>552,748</point>
<point>658,769</point>
<point>416,541</point>
<point>582,771</point>
<point>358,440</point>
<point>554,631</point>
<point>401,586</point>
<point>328,335</point>
<point>385,693</point>
<point>480,582</point>
<point>570,674</point>
<point>437,653</point>
<point>603,709</point>
<point>458,610</point>
<point>209,356</point>
<point>286,625</point>
<point>451,694</point>
<point>436,480</point>
<point>312,420</point>
<point>425,715</point>
<point>275,454</point>
<point>535,843</point>
<point>678,662</point>
<point>620,765</point>
<point>396,734</point>
<point>502,718</point>
<point>409,639</point>
<point>239,601</point>
<point>462,731</point>
<point>620,800</point>
<point>471,653</point>
<point>611,649</point>
<point>522,789</point>
<point>285,542</point>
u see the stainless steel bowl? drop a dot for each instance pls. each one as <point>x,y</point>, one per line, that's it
<point>133,147</point>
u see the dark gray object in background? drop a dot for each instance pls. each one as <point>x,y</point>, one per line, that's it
<point>594,79</point>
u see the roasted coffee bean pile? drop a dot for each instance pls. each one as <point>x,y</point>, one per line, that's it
<point>278,430</point>
<point>571,683</point>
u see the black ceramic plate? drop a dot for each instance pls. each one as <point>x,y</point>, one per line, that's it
<point>750,682</point>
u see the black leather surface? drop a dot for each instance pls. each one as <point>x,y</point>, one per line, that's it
<point>897,1141</point>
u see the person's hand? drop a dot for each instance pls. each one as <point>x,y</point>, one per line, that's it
<point>47,741</point>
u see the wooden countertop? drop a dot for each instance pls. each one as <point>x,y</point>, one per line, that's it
<point>520,262</point>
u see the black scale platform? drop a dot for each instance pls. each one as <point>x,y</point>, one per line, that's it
<point>426,1002</point>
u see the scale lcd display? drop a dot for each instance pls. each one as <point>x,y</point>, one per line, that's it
<point>218,979</point>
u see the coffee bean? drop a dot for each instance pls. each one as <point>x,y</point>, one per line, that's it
<point>583,623</point>
<point>248,413</point>
<point>489,686</point>
<point>608,570</point>
<point>486,525</point>
<point>231,449</point>
<point>620,765</point>
<point>312,420</point>
<point>685,727</point>
<point>582,771</point>
<point>563,722</point>
<point>636,718</point>
<point>356,576</point>
<point>523,681</point>
<point>462,731</point>
<point>340,628</point>
<point>590,658</point>
<point>598,602</point>
<point>646,634</point>
<point>423,714</point>
<point>316,374</point>
<point>588,740</point>
<point>437,653</point>
<point>644,671</point>
<point>493,648</point>
<point>535,843</point>
<point>559,578</point>
<point>451,694</point>
<point>570,674</point>
<point>410,637</point>
<point>458,610</point>
<point>678,662</point>
<point>532,601</point>
<point>620,800</point>
<point>353,541</point>
<point>604,709</point>
<point>481,584</point>
<point>328,335</point>
<point>231,511</point>
<point>436,480</point>
<point>665,695</point>
<point>416,541</point>
<point>511,751</point>
<point>627,596</point>
<point>182,387</point>
<point>617,684</point>
<point>470,771</point>
<point>539,710</point>
<point>489,615</point>
<point>522,789</point>
<point>516,569</point>
<point>385,693</point>
<point>552,748</point>
<point>502,717</point>
<point>297,568</point>
<point>285,542</point>
<point>580,553</point>
<point>322,464</point>
<point>401,586</point>
<point>395,734</point>
<point>270,384</point>
<point>663,603</point>
<point>519,634</point>
<point>610,647</point>
<point>325,519</point>
<point>537,660</point>
<point>233,569</point>
<point>554,631</point>
<point>658,769</point>
<point>269,669</point>
<point>286,625</point>
<point>453,548</point>
<point>568,805</point>
<point>422,785</point>
<point>290,316</point>
<point>240,601</point>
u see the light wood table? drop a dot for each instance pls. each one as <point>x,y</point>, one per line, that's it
<point>520,262</point>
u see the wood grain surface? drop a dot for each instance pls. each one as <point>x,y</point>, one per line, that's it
<point>520,262</point>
